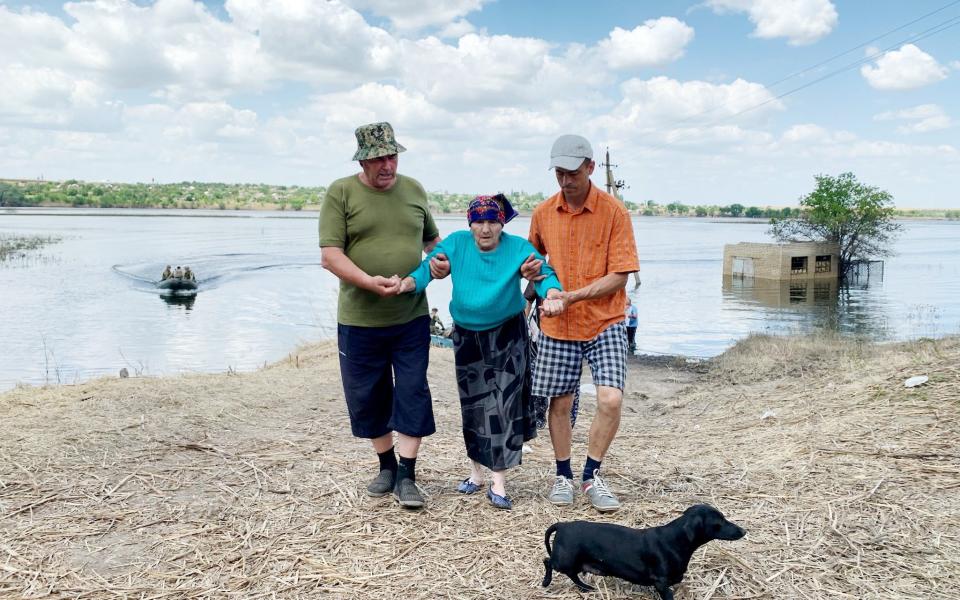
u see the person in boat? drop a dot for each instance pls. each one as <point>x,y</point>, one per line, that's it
<point>178,272</point>
<point>167,273</point>
<point>188,274</point>
<point>436,325</point>
<point>490,340</point>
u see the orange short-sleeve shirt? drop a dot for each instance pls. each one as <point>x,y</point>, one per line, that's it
<point>582,247</point>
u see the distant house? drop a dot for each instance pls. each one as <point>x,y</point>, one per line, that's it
<point>802,260</point>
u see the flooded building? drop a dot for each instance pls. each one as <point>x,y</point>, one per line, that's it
<point>794,261</point>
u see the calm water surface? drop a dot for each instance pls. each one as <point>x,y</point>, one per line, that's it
<point>87,306</point>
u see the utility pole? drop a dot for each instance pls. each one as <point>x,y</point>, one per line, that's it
<point>613,188</point>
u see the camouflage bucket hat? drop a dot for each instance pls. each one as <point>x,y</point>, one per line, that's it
<point>376,140</point>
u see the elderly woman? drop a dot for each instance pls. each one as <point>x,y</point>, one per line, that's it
<point>490,340</point>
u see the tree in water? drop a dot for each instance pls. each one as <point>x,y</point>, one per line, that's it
<point>856,216</point>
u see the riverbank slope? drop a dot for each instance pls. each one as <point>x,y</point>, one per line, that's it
<point>251,484</point>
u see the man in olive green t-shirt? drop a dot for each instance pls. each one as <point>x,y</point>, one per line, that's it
<point>374,225</point>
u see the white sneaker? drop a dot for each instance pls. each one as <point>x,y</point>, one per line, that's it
<point>562,492</point>
<point>600,495</point>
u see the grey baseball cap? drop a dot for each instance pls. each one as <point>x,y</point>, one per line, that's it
<point>569,152</point>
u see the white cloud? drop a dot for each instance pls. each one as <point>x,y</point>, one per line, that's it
<point>171,43</point>
<point>661,102</point>
<point>903,69</point>
<point>800,21</point>
<point>656,42</point>
<point>318,42</point>
<point>810,140</point>
<point>456,29</point>
<point>205,122</point>
<point>411,15</point>
<point>51,98</point>
<point>479,71</point>
<point>920,119</point>
<point>809,133</point>
<point>666,114</point>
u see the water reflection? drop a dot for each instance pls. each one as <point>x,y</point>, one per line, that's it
<point>184,300</point>
<point>820,304</point>
<point>782,294</point>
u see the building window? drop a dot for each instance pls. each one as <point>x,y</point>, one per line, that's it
<point>823,263</point>
<point>798,265</point>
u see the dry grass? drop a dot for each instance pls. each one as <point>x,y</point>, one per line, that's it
<point>250,485</point>
<point>20,247</point>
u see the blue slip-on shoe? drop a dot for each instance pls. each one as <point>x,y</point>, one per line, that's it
<point>499,501</point>
<point>468,487</point>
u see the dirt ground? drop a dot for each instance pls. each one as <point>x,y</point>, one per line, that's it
<point>251,486</point>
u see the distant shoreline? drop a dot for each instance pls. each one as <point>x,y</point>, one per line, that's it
<point>310,212</point>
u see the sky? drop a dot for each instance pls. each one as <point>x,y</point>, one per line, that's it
<point>711,102</point>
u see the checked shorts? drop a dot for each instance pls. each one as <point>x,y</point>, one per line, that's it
<point>560,362</point>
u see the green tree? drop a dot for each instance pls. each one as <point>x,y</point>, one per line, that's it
<point>840,209</point>
<point>10,196</point>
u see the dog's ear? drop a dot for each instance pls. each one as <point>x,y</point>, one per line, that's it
<point>692,524</point>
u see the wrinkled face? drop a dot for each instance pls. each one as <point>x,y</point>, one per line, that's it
<point>381,173</point>
<point>575,184</point>
<point>486,234</point>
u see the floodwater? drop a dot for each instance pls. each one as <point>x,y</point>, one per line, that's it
<point>87,305</point>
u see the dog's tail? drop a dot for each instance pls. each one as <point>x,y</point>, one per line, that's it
<point>547,564</point>
<point>546,538</point>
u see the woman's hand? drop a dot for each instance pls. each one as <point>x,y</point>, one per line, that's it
<point>407,285</point>
<point>554,304</point>
<point>530,269</point>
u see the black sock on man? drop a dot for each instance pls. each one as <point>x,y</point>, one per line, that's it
<point>407,469</point>
<point>388,460</point>
<point>589,467</point>
<point>563,468</point>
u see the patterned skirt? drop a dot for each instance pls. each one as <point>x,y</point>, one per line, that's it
<point>493,377</point>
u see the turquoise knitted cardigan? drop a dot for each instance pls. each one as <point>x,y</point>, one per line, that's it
<point>486,285</point>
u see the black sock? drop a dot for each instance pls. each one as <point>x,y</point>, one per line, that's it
<point>563,468</point>
<point>589,467</point>
<point>388,460</point>
<point>407,468</point>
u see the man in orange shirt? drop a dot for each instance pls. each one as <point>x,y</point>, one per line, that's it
<point>588,238</point>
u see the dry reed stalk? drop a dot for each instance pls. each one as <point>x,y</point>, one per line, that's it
<point>251,485</point>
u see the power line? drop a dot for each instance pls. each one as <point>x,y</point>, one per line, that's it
<point>858,46</point>
<point>938,28</point>
<point>953,22</point>
<point>943,25</point>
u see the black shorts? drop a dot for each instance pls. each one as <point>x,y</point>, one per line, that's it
<point>384,372</point>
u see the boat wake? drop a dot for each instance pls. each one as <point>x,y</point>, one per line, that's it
<point>210,271</point>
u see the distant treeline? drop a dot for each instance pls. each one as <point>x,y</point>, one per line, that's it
<point>224,196</point>
<point>155,195</point>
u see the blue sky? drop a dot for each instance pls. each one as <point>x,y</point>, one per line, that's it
<point>685,94</point>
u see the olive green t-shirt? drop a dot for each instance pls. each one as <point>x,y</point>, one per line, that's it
<point>383,234</point>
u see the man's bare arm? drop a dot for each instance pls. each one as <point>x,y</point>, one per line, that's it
<point>606,285</point>
<point>336,261</point>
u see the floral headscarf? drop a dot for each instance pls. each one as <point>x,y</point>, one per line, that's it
<point>488,208</point>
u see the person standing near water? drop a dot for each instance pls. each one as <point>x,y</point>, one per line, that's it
<point>373,225</point>
<point>632,320</point>
<point>491,345</point>
<point>588,238</point>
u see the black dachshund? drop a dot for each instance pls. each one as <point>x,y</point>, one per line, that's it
<point>657,556</point>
